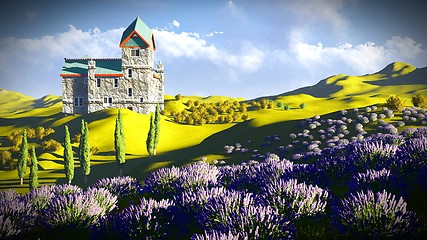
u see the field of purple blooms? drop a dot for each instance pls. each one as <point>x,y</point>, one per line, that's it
<point>340,182</point>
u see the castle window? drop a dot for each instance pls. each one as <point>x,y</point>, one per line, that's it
<point>141,99</point>
<point>75,80</point>
<point>130,72</point>
<point>134,52</point>
<point>85,80</point>
<point>78,101</point>
<point>108,101</point>
<point>98,82</point>
<point>130,92</point>
<point>116,82</point>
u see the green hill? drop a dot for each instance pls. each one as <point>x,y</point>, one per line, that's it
<point>180,143</point>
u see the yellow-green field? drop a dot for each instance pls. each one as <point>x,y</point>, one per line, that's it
<point>181,144</point>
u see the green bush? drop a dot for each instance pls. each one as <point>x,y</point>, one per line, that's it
<point>279,105</point>
<point>178,97</point>
<point>287,107</point>
<point>395,103</point>
<point>51,145</point>
<point>419,101</point>
<point>303,105</point>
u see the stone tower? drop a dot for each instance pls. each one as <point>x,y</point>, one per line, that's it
<point>92,84</point>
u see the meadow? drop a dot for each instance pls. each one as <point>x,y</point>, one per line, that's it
<point>297,173</point>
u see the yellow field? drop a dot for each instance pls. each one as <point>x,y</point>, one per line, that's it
<point>179,143</point>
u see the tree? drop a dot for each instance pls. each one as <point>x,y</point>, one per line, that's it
<point>23,157</point>
<point>84,151</point>
<point>287,107</point>
<point>395,103</point>
<point>157,129</point>
<point>34,181</point>
<point>150,136</point>
<point>303,105</point>
<point>120,142</point>
<point>68,157</point>
<point>419,101</point>
<point>178,97</point>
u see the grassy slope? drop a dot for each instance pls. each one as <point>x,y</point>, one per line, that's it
<point>181,144</point>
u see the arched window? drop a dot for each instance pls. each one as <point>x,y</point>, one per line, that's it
<point>130,72</point>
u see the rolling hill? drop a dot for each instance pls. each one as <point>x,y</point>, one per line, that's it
<point>180,143</point>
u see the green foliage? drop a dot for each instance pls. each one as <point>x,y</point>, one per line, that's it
<point>157,128</point>
<point>178,97</point>
<point>419,101</point>
<point>68,157</point>
<point>34,182</point>
<point>120,140</point>
<point>303,105</point>
<point>150,137</point>
<point>84,149</point>
<point>23,157</point>
<point>51,145</point>
<point>395,103</point>
<point>287,107</point>
<point>280,104</point>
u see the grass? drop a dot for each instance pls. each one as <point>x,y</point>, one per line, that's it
<point>181,144</point>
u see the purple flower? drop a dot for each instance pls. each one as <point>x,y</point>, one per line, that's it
<point>380,215</point>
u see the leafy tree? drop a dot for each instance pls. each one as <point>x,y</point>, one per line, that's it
<point>31,133</point>
<point>178,97</point>
<point>150,136</point>
<point>157,129</point>
<point>395,103</point>
<point>120,142</point>
<point>23,157</point>
<point>287,107</point>
<point>34,181</point>
<point>40,132</point>
<point>68,157</point>
<point>280,105</point>
<point>84,150</point>
<point>419,101</point>
<point>303,105</point>
<point>51,145</point>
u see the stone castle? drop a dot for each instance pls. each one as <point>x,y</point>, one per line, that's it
<point>93,84</point>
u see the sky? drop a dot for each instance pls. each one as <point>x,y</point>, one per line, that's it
<point>238,48</point>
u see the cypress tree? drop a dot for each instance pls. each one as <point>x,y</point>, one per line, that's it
<point>150,137</point>
<point>23,157</point>
<point>120,143</point>
<point>68,157</point>
<point>84,151</point>
<point>34,181</point>
<point>157,129</point>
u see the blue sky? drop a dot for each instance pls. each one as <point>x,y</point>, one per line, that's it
<point>240,48</point>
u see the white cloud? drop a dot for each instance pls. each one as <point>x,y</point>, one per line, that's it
<point>191,45</point>
<point>361,58</point>
<point>175,23</point>
<point>235,11</point>
<point>211,34</point>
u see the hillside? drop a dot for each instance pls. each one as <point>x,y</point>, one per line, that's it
<point>181,143</point>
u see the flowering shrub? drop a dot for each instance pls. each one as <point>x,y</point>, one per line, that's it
<point>380,215</point>
<point>120,186</point>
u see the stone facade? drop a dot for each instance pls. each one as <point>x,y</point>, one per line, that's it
<point>90,85</point>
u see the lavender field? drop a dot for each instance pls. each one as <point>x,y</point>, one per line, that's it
<point>332,181</point>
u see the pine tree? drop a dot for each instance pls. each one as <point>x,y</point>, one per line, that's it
<point>84,151</point>
<point>68,157</point>
<point>150,137</point>
<point>120,143</point>
<point>157,129</point>
<point>23,157</point>
<point>34,181</point>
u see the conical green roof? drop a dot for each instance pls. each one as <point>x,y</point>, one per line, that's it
<point>138,34</point>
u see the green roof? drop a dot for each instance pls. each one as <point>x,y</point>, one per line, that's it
<point>103,66</point>
<point>142,30</point>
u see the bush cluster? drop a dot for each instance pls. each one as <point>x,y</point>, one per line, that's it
<point>206,113</point>
<point>51,145</point>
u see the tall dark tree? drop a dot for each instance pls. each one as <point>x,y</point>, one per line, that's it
<point>68,157</point>
<point>34,180</point>
<point>157,129</point>
<point>120,143</point>
<point>84,151</point>
<point>23,157</point>
<point>150,136</point>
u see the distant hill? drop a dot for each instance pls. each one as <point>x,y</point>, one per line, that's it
<point>393,76</point>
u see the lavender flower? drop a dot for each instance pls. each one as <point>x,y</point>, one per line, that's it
<point>40,197</point>
<point>369,215</point>
<point>120,186</point>
<point>106,200</point>
<point>66,189</point>
<point>218,235</point>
